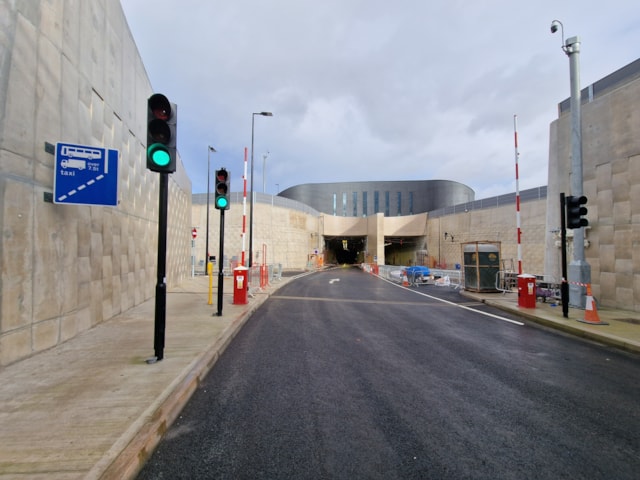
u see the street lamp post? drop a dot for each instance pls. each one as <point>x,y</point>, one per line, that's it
<point>206,248</point>
<point>264,172</point>
<point>579,270</point>
<point>253,116</point>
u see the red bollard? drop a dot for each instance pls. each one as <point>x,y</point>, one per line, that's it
<point>527,291</point>
<point>240,284</point>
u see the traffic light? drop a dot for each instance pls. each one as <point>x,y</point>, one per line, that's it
<point>575,211</point>
<point>162,123</point>
<point>222,189</point>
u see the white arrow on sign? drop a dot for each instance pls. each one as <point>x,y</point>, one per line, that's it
<point>334,280</point>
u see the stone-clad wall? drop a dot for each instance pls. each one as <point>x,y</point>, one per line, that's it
<point>70,72</point>
<point>493,225</point>
<point>611,182</point>
<point>288,235</point>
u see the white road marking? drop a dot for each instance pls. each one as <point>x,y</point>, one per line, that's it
<point>498,317</point>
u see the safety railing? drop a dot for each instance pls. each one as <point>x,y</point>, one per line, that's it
<point>452,278</point>
<point>400,274</point>
<point>547,288</point>
<point>261,276</point>
<point>506,281</point>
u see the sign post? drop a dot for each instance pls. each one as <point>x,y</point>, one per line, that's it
<point>194,234</point>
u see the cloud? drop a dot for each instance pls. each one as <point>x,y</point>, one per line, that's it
<point>373,90</point>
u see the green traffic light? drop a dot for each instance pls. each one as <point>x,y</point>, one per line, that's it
<point>221,202</point>
<point>159,154</point>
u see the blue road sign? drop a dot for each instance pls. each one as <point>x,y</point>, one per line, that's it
<point>85,175</point>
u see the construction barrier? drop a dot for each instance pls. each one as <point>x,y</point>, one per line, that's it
<point>264,276</point>
<point>399,275</point>
<point>260,276</point>
<point>590,310</point>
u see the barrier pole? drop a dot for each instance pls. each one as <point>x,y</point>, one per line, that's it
<point>518,229</point>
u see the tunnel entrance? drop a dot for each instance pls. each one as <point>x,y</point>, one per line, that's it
<point>404,250</point>
<point>345,250</point>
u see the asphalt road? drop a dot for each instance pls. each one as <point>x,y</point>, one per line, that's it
<point>341,375</point>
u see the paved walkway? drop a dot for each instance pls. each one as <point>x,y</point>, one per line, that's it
<point>622,331</point>
<point>93,408</point>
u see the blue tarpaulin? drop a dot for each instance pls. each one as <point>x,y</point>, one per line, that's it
<point>418,270</point>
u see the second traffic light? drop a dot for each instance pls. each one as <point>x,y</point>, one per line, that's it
<point>576,211</point>
<point>162,123</point>
<point>223,190</point>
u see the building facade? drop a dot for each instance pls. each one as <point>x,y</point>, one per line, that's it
<point>393,198</point>
<point>291,234</point>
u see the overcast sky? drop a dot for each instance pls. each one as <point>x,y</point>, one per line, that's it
<point>374,89</point>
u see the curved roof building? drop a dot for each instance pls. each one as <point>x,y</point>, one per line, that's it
<point>393,198</point>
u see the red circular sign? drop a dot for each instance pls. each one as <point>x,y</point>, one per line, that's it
<point>194,233</point>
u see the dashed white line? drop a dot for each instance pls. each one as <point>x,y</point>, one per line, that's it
<point>80,188</point>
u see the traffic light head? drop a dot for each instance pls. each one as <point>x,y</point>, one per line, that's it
<point>576,211</point>
<point>222,189</point>
<point>162,122</point>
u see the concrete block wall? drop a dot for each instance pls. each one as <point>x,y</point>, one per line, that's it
<point>70,72</point>
<point>289,235</point>
<point>611,182</point>
<point>492,224</point>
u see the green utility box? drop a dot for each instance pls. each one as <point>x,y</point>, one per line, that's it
<point>481,265</point>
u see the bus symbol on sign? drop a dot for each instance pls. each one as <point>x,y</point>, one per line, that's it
<point>85,175</point>
<point>77,151</point>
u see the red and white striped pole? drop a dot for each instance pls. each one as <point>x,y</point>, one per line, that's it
<point>519,232</point>
<point>244,205</point>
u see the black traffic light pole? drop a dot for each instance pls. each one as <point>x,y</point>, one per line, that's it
<point>162,123</point>
<point>221,203</point>
<point>564,286</point>
<point>161,285</point>
<point>220,264</point>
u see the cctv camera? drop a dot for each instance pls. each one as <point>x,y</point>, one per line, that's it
<point>554,28</point>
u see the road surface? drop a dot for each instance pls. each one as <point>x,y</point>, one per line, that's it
<point>342,375</point>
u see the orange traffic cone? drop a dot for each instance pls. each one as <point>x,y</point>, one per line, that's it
<point>405,280</point>
<point>590,311</point>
